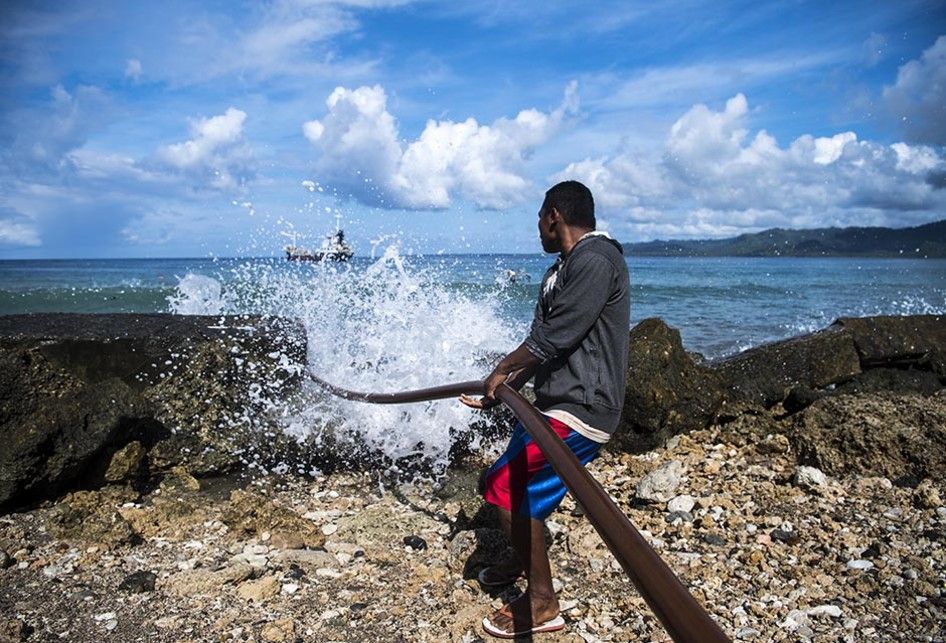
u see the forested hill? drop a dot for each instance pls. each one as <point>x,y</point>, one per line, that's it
<point>925,241</point>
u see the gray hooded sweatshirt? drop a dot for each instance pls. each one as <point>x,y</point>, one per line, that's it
<point>580,333</point>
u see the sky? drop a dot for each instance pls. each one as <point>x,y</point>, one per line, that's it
<point>193,129</point>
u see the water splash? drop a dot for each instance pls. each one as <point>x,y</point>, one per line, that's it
<point>385,326</point>
<point>197,295</point>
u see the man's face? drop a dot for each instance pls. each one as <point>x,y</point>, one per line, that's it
<point>548,230</point>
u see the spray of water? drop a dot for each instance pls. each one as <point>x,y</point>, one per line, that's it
<point>387,326</point>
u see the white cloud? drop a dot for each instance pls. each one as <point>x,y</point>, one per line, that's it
<point>918,98</point>
<point>215,151</point>
<point>44,139</point>
<point>18,233</point>
<point>712,178</point>
<point>133,69</point>
<point>361,152</point>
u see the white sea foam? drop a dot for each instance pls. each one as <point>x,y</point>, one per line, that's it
<point>197,295</point>
<point>388,327</point>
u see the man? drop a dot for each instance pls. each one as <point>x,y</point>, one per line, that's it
<point>577,352</point>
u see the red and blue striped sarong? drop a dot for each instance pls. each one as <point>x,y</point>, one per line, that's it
<point>523,482</point>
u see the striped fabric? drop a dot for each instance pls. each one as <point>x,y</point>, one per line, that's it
<point>523,482</point>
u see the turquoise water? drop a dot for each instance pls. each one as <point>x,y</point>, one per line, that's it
<point>720,305</point>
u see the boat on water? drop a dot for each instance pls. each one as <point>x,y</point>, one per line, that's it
<point>333,248</point>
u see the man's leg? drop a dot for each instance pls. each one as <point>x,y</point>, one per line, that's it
<point>539,604</point>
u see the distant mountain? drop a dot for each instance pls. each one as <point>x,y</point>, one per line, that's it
<point>925,241</point>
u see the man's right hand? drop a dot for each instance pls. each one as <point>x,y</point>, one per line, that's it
<point>481,403</point>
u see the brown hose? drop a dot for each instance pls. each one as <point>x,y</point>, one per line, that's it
<point>681,615</point>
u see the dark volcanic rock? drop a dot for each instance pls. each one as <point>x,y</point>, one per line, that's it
<point>75,389</point>
<point>764,375</point>
<point>53,425</point>
<point>886,340</point>
<point>893,380</point>
<point>896,436</point>
<point>667,392</point>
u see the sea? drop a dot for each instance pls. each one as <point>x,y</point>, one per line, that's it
<point>396,321</point>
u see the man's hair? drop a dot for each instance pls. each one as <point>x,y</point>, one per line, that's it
<point>574,202</point>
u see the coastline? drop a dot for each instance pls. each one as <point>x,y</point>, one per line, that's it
<point>772,550</point>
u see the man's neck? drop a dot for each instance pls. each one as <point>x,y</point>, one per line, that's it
<point>572,236</point>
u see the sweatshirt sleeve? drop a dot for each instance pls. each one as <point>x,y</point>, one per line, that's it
<point>579,302</point>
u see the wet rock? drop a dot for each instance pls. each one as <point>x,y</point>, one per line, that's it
<point>138,583</point>
<point>415,542</point>
<point>178,480</point>
<point>667,392</point>
<point>126,463</point>
<point>881,434</point>
<point>74,389</point>
<point>887,339</point>
<point>54,427</point>
<point>660,484</point>
<point>764,375</point>
<point>893,380</point>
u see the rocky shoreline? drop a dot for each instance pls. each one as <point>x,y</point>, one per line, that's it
<point>796,489</point>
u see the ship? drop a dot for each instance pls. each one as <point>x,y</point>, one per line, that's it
<point>333,248</point>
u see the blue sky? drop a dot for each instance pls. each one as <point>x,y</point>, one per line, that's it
<point>190,129</point>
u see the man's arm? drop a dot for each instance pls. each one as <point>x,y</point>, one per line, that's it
<point>514,369</point>
<point>575,308</point>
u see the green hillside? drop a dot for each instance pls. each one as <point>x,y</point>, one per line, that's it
<point>926,241</point>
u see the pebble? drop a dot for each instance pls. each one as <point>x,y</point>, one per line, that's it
<point>783,536</point>
<point>825,610</point>
<point>256,561</point>
<point>757,588</point>
<point>138,583</point>
<point>329,529</point>
<point>809,478</point>
<point>5,559</point>
<point>678,517</point>
<point>415,542</point>
<point>683,503</point>
<point>860,564</point>
<point>660,484</point>
<point>747,633</point>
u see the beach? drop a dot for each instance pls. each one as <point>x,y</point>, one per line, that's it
<point>796,496</point>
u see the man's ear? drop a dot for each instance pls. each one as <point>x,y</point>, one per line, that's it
<point>555,216</point>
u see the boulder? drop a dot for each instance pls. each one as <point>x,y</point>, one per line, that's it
<point>765,375</point>
<point>75,389</point>
<point>887,340</point>
<point>667,391</point>
<point>881,434</point>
